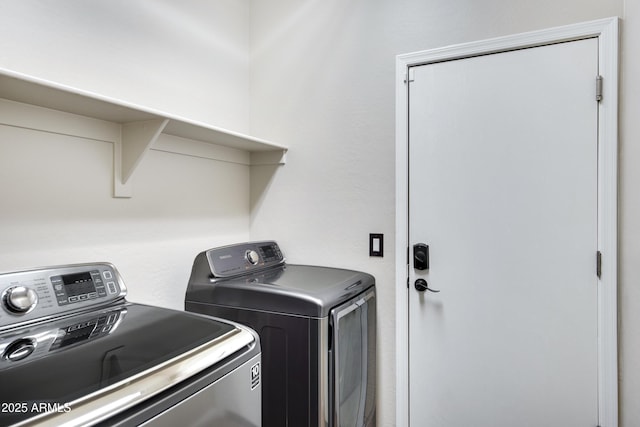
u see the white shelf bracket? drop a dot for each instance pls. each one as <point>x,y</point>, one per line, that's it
<point>273,157</point>
<point>135,141</point>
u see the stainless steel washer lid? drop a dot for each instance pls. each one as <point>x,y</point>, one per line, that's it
<point>88,367</point>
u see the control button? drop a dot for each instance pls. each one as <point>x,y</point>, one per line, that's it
<point>252,257</point>
<point>112,287</point>
<point>107,275</point>
<point>20,299</point>
<point>73,299</point>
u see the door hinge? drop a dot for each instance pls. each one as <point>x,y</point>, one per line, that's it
<point>599,88</point>
<point>410,72</point>
<point>599,264</point>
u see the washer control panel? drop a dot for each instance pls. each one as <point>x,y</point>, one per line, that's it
<point>243,258</point>
<point>46,292</point>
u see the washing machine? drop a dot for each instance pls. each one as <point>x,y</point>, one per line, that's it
<point>317,328</point>
<point>74,352</point>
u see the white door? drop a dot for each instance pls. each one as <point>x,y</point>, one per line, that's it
<point>503,189</point>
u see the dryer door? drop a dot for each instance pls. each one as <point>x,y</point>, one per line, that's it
<point>353,362</point>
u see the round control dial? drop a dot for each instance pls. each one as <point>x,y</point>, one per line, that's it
<point>20,299</point>
<point>252,257</point>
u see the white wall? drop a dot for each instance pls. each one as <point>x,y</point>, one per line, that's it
<point>189,59</point>
<point>322,81</point>
<point>629,215</point>
<point>57,208</point>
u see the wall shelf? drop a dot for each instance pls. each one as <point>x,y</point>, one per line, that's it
<point>140,127</point>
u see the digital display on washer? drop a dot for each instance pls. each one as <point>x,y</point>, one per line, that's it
<point>268,252</point>
<point>78,284</point>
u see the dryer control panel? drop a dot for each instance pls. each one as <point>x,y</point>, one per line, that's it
<point>47,292</point>
<point>243,258</point>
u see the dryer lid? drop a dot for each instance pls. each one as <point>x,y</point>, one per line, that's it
<point>289,289</point>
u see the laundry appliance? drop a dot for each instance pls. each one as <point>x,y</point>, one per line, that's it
<point>317,327</point>
<point>74,352</point>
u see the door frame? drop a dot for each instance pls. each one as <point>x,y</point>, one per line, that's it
<point>606,30</point>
